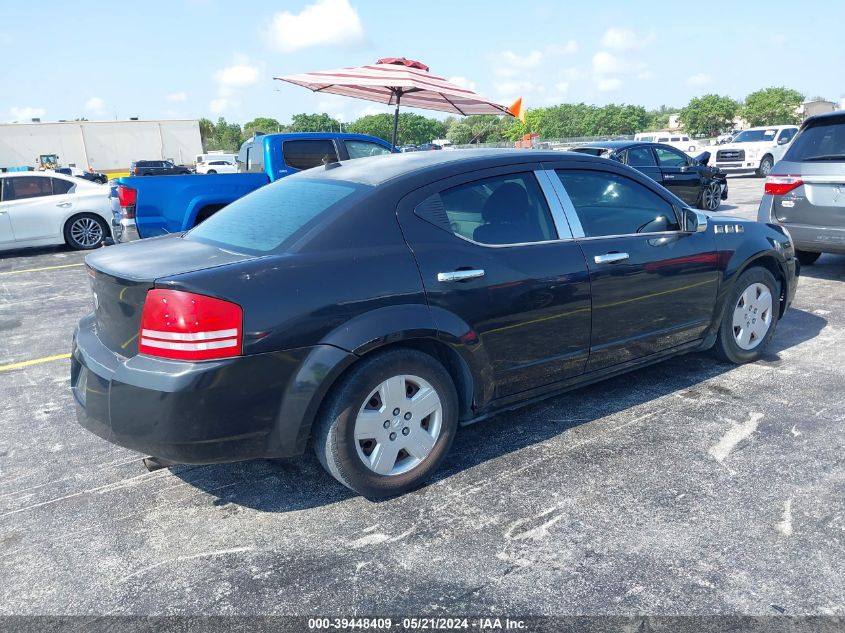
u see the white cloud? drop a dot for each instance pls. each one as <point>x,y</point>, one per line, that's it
<point>568,48</point>
<point>463,82</point>
<point>624,40</point>
<point>219,105</point>
<point>325,22</point>
<point>562,87</point>
<point>607,84</point>
<point>698,80</point>
<point>778,39</point>
<point>95,105</point>
<point>26,113</point>
<point>176,97</point>
<point>240,75</point>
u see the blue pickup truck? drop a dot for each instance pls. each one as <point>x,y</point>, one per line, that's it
<point>145,206</point>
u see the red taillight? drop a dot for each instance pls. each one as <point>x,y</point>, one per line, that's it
<point>188,326</point>
<point>127,197</point>
<point>778,185</point>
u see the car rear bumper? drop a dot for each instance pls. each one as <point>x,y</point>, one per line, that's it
<point>202,412</point>
<point>817,239</point>
<point>124,230</point>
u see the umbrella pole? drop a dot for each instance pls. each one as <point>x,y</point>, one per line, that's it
<point>396,121</point>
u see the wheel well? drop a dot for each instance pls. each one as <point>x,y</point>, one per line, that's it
<point>207,211</point>
<point>770,264</point>
<point>446,356</point>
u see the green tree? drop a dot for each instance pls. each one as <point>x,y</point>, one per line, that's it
<point>262,124</point>
<point>413,128</point>
<point>772,106</point>
<point>708,115</point>
<point>380,125</point>
<point>313,123</point>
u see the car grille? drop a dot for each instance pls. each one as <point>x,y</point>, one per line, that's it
<point>730,154</point>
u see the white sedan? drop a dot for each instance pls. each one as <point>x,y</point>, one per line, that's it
<point>217,167</point>
<point>46,208</point>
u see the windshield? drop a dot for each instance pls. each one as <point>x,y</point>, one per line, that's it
<point>818,143</point>
<point>755,136</point>
<point>264,220</point>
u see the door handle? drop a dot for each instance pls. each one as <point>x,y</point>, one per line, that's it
<point>64,205</point>
<point>611,258</point>
<point>460,275</point>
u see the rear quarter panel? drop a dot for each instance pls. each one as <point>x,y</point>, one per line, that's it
<point>171,204</point>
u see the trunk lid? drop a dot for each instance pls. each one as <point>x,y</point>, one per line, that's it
<point>820,201</point>
<point>121,276</point>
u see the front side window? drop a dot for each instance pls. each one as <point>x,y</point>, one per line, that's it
<point>786,135</point>
<point>611,204</point>
<point>641,157</point>
<point>502,210</point>
<point>362,149</point>
<point>308,154</point>
<point>27,187</point>
<point>670,158</point>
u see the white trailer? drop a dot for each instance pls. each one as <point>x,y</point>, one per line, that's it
<point>107,146</point>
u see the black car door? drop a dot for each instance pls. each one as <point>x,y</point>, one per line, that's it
<point>642,159</point>
<point>680,174</point>
<point>653,285</point>
<point>494,252</point>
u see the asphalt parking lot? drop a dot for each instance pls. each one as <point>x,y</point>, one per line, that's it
<point>689,487</point>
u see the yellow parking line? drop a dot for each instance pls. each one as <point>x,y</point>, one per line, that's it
<point>35,270</point>
<point>34,361</point>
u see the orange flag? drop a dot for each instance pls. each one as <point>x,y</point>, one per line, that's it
<point>517,110</point>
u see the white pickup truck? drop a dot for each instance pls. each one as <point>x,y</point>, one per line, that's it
<point>754,150</point>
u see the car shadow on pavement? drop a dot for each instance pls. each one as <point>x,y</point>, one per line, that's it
<point>829,267</point>
<point>299,483</point>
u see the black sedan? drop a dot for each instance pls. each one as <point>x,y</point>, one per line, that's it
<point>368,308</point>
<point>689,178</point>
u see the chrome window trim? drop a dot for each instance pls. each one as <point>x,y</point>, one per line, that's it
<point>562,226</point>
<point>572,219</point>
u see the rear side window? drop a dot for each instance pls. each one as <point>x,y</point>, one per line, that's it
<point>819,143</point>
<point>27,187</point>
<point>641,157</point>
<point>502,210</point>
<point>308,154</point>
<point>362,149</point>
<point>61,186</point>
<point>262,221</point>
<point>610,204</point>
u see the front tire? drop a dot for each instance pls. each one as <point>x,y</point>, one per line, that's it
<point>807,258</point>
<point>711,197</point>
<point>750,317</point>
<point>765,166</point>
<point>85,231</point>
<point>211,171</point>
<point>388,423</point>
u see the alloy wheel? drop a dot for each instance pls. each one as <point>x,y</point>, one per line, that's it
<point>752,316</point>
<point>712,196</point>
<point>86,232</point>
<point>398,425</point>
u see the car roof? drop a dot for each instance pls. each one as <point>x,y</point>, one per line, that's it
<point>614,144</point>
<point>306,136</point>
<point>394,166</point>
<point>837,116</point>
<point>767,127</point>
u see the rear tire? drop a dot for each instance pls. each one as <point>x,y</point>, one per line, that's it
<point>85,231</point>
<point>750,317</point>
<point>807,258</point>
<point>360,438</point>
<point>211,171</point>
<point>765,166</point>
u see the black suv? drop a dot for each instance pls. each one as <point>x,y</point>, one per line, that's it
<point>156,168</point>
<point>689,178</point>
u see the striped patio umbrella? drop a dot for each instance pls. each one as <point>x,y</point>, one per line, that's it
<point>394,79</point>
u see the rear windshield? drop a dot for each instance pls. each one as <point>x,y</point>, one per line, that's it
<point>264,220</point>
<point>819,143</point>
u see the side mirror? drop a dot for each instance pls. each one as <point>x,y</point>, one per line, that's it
<point>784,140</point>
<point>684,168</point>
<point>693,221</point>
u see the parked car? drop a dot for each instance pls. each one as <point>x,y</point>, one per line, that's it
<point>691,179</point>
<point>217,167</point>
<point>370,307</point>
<point>42,209</point>
<point>90,175</point>
<point>157,168</point>
<point>157,206</point>
<point>678,140</point>
<point>754,150</point>
<point>805,192</point>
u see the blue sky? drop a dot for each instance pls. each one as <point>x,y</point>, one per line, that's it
<point>195,58</point>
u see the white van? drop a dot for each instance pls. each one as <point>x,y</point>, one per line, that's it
<point>678,140</point>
